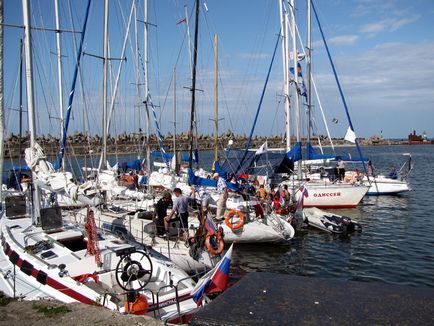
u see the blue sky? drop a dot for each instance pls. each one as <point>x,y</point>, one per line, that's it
<point>382,51</point>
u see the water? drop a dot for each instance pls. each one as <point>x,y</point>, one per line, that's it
<point>396,245</point>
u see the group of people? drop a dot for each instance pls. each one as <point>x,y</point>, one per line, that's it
<point>133,180</point>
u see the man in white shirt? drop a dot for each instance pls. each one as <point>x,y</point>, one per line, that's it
<point>222,190</point>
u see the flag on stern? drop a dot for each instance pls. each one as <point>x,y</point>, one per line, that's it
<point>216,280</point>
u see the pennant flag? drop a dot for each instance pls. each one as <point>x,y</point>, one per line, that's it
<point>216,280</point>
<point>262,149</point>
<point>300,81</point>
<point>350,135</point>
<point>182,21</point>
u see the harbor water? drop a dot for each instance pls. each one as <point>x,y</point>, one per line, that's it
<point>396,245</point>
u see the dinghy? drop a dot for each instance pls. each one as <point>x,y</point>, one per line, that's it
<point>330,222</point>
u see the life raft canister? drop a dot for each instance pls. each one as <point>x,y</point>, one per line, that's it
<point>216,236</point>
<point>138,307</point>
<point>241,219</point>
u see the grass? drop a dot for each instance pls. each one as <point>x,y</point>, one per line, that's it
<point>50,311</point>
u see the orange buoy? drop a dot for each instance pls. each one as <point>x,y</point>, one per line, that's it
<point>241,219</point>
<point>220,242</point>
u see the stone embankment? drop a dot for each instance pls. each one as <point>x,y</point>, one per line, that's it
<point>81,144</point>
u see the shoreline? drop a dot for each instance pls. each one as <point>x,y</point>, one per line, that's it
<point>82,145</point>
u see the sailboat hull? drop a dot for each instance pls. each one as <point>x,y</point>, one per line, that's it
<point>332,196</point>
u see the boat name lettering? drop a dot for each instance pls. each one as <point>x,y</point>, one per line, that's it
<point>327,194</point>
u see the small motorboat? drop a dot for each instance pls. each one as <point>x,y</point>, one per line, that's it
<point>330,222</point>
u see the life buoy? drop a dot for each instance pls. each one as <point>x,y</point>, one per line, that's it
<point>235,226</point>
<point>209,246</point>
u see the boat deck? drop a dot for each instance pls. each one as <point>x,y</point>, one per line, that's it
<point>276,299</point>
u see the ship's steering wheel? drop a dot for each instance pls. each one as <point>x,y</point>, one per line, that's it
<point>134,271</point>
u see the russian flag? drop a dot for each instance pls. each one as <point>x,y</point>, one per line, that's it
<point>304,193</point>
<point>210,226</point>
<point>216,280</point>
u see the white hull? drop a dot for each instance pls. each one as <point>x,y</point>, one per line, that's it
<point>332,195</point>
<point>272,230</point>
<point>30,270</point>
<point>380,185</point>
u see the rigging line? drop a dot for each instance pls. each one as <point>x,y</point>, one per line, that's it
<point>340,89</point>
<point>71,94</point>
<point>317,97</point>
<point>83,96</point>
<point>260,104</point>
<point>41,76</point>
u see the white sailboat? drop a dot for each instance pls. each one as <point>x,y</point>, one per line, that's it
<point>320,194</point>
<point>42,257</point>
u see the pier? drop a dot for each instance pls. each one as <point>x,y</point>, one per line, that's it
<point>277,299</point>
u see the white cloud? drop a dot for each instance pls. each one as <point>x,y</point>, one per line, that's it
<point>388,85</point>
<point>343,40</point>
<point>387,25</point>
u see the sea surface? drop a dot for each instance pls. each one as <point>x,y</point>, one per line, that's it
<point>396,245</point>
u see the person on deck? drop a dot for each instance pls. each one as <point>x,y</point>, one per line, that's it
<point>392,174</point>
<point>161,211</point>
<point>222,190</point>
<point>371,169</point>
<point>341,170</point>
<point>180,207</point>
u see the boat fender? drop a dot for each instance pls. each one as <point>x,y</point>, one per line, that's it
<point>214,243</point>
<point>241,219</point>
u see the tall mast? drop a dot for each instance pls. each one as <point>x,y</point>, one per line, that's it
<point>193,86</point>
<point>285,66</point>
<point>309,70</point>
<point>2,119</point>
<point>59,68</point>
<point>21,99</point>
<point>103,162</point>
<point>216,98</point>
<point>295,60</point>
<point>30,96</point>
<point>148,123</point>
<point>174,113</point>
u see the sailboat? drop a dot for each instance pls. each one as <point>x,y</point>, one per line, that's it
<point>41,256</point>
<point>319,194</point>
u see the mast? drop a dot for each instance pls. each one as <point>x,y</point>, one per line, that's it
<point>193,87</point>
<point>59,68</point>
<point>295,60</point>
<point>2,119</point>
<point>21,99</point>
<point>309,70</point>
<point>30,96</point>
<point>216,98</point>
<point>103,163</point>
<point>285,66</point>
<point>174,113</point>
<point>148,123</point>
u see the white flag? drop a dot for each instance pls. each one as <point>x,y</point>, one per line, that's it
<point>262,149</point>
<point>350,135</point>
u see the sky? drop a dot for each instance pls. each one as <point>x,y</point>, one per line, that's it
<point>382,50</point>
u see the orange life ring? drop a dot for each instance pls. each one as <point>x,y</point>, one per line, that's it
<point>210,248</point>
<point>235,226</point>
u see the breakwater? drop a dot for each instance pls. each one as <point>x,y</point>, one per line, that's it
<point>81,144</point>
